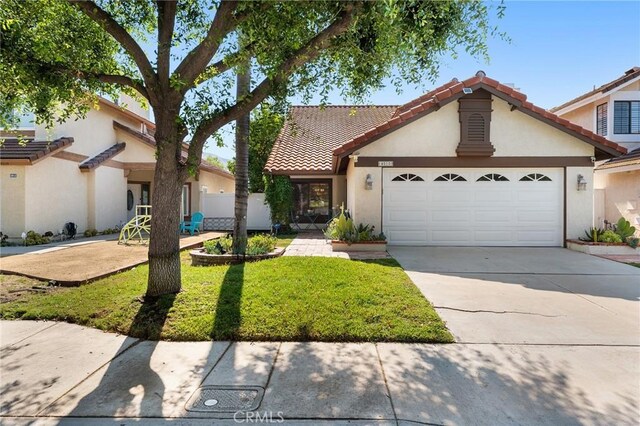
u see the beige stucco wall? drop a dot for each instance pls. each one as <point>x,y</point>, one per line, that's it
<point>110,188</point>
<point>513,133</point>
<point>579,203</point>
<point>621,195</point>
<point>56,193</point>
<point>583,116</point>
<point>12,200</point>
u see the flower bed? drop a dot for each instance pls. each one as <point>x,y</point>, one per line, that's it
<point>200,258</point>
<point>601,248</point>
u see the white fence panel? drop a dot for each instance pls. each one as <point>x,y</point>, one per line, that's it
<point>222,205</point>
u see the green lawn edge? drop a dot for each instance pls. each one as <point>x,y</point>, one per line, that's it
<point>284,299</point>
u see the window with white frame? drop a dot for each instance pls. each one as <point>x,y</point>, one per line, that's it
<point>626,117</point>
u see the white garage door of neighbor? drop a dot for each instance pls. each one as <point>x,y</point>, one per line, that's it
<point>473,207</point>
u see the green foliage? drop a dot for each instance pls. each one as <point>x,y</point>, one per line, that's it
<point>592,235</point>
<point>91,232</point>
<point>109,231</point>
<point>212,159</point>
<point>34,239</point>
<point>609,236</point>
<point>624,229</point>
<point>342,228</point>
<point>256,245</point>
<point>261,244</point>
<point>266,122</point>
<point>633,242</point>
<point>278,195</point>
<point>288,298</point>
<point>220,246</point>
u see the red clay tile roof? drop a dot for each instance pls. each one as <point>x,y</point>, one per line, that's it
<point>93,162</point>
<point>453,90</point>
<point>312,132</point>
<point>628,76</point>
<point>29,152</point>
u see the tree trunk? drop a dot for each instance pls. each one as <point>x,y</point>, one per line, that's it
<point>164,246</point>
<point>242,167</point>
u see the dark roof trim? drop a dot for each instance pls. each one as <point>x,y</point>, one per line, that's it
<point>628,76</point>
<point>105,155</point>
<point>13,151</point>
<point>150,141</point>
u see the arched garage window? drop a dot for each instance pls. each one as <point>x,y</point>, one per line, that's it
<point>450,177</point>
<point>407,177</point>
<point>492,177</point>
<point>535,177</point>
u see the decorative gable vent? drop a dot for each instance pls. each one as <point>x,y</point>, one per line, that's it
<point>475,119</point>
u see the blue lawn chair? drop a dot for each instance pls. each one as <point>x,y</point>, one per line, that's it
<point>193,225</point>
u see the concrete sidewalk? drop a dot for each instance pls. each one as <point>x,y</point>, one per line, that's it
<point>61,373</point>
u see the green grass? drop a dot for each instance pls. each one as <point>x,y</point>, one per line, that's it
<point>289,298</point>
<point>637,265</point>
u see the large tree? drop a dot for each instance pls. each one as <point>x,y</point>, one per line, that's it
<point>181,57</point>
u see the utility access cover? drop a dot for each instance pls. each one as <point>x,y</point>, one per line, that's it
<point>225,399</point>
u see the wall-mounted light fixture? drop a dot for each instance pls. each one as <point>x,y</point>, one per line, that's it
<point>204,189</point>
<point>582,183</point>
<point>368,182</point>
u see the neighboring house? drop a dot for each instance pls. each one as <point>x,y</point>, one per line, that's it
<point>471,163</point>
<point>613,111</point>
<point>92,172</point>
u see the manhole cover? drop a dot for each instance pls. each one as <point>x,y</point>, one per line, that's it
<point>225,399</point>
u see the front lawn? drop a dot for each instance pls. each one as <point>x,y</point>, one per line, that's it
<point>289,298</point>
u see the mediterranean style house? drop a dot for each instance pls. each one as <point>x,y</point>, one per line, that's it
<point>471,163</point>
<point>613,111</point>
<point>92,172</point>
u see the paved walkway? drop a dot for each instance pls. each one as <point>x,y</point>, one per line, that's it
<point>312,243</point>
<point>54,370</point>
<point>76,262</point>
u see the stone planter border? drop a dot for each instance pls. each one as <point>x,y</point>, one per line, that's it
<point>602,248</point>
<point>200,258</point>
<point>363,246</point>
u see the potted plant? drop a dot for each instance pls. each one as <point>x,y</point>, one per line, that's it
<point>346,236</point>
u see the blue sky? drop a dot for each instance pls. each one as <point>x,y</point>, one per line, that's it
<point>558,51</point>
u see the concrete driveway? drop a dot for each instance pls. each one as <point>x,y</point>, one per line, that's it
<point>528,295</point>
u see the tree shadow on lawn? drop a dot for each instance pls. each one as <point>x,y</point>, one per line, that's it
<point>228,316</point>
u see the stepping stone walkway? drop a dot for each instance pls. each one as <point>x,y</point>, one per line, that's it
<point>314,244</point>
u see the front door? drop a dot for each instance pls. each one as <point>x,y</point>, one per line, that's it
<point>137,194</point>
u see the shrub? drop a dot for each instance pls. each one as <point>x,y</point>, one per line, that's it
<point>109,231</point>
<point>261,244</point>
<point>593,235</point>
<point>342,228</point>
<point>633,242</point>
<point>219,246</point>
<point>34,239</point>
<point>609,236</point>
<point>278,194</point>
<point>90,232</point>
<point>258,244</point>
<point>624,229</point>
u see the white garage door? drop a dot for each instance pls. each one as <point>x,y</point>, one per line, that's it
<point>473,207</point>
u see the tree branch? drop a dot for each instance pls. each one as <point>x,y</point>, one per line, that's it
<point>196,60</point>
<point>309,52</point>
<point>166,25</point>
<point>223,65</point>
<point>111,26</point>
<point>122,80</point>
